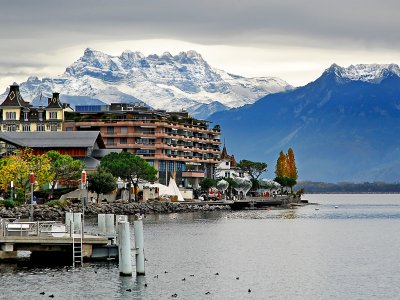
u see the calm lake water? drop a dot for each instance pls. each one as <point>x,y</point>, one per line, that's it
<point>349,252</point>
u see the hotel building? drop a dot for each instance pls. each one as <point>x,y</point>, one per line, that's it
<point>173,142</point>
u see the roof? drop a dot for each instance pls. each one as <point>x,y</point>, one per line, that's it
<point>14,98</point>
<point>90,162</point>
<point>99,153</point>
<point>54,139</point>
<point>54,102</point>
<point>224,153</point>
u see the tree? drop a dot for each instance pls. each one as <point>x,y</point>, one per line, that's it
<point>17,168</point>
<point>206,183</point>
<point>286,170</point>
<point>101,182</point>
<point>129,167</point>
<point>291,162</point>
<point>63,167</point>
<point>286,181</point>
<point>254,169</point>
<point>280,165</point>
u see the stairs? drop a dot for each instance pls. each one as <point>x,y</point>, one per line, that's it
<point>77,253</point>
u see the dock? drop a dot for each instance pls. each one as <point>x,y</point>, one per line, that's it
<point>261,202</point>
<point>49,238</point>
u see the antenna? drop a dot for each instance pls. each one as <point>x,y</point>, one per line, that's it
<point>40,98</point>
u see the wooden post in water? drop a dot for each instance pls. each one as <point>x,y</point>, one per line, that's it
<point>124,249</point>
<point>139,245</point>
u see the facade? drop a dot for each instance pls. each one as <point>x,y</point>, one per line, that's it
<point>17,115</point>
<point>86,146</point>
<point>227,168</point>
<point>174,143</point>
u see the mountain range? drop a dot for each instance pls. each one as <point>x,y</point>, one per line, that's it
<point>184,81</point>
<point>344,126</point>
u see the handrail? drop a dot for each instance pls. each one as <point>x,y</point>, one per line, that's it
<point>30,228</point>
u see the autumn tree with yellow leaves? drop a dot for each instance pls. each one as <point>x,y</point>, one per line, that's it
<point>18,167</point>
<point>286,169</point>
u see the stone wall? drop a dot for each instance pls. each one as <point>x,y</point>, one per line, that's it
<point>46,213</point>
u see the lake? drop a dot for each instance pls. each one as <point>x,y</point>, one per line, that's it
<point>348,252</point>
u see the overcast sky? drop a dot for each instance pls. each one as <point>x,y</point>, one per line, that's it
<point>291,39</point>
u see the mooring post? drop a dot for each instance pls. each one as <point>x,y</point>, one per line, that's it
<point>110,224</point>
<point>124,249</point>
<point>101,223</point>
<point>139,245</point>
<point>77,222</point>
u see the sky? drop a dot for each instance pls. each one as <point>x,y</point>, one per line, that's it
<point>295,40</point>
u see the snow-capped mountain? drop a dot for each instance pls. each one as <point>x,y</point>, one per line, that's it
<point>344,126</point>
<point>183,81</point>
<point>373,73</point>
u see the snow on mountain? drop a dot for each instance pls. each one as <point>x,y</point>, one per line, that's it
<point>344,126</point>
<point>372,73</point>
<point>183,81</point>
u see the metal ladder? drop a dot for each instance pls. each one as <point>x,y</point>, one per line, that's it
<point>77,254</point>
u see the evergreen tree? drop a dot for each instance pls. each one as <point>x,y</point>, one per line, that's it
<point>101,182</point>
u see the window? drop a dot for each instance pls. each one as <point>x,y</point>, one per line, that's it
<point>110,130</point>
<point>40,127</point>
<point>170,166</point>
<point>227,163</point>
<point>53,127</point>
<point>227,174</point>
<point>123,140</point>
<point>11,127</point>
<point>124,129</point>
<point>40,116</point>
<point>179,166</point>
<point>161,165</point>
<point>110,141</point>
<point>53,115</point>
<point>26,127</point>
<point>69,129</point>
<point>151,162</point>
<point>11,115</point>
<point>25,116</point>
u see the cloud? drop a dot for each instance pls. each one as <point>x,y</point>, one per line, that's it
<point>35,34</point>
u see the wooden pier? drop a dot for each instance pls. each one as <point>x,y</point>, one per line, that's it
<point>43,238</point>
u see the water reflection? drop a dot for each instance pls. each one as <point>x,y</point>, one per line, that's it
<point>288,214</point>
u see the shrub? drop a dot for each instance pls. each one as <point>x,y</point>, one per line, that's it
<point>7,203</point>
<point>57,203</point>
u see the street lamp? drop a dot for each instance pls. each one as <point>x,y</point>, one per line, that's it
<point>32,182</point>
<point>11,191</point>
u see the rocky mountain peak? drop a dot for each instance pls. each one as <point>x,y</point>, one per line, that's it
<point>373,73</point>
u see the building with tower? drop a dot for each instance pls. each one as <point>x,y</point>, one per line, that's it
<point>17,115</point>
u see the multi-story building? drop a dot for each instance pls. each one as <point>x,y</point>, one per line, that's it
<point>173,142</point>
<point>18,115</point>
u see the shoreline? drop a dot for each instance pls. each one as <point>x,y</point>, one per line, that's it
<point>47,213</point>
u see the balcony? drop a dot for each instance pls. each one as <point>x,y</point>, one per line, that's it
<point>193,174</point>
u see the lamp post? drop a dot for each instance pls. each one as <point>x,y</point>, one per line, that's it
<point>32,181</point>
<point>11,191</point>
<point>83,187</point>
